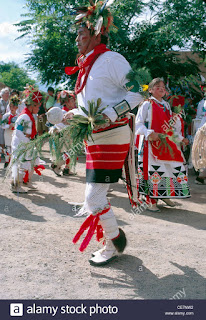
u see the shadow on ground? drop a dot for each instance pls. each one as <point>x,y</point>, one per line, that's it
<point>145,284</point>
<point>15,209</point>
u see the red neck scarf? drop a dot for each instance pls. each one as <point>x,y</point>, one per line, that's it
<point>9,119</point>
<point>160,122</point>
<point>33,129</point>
<point>65,109</point>
<point>85,65</point>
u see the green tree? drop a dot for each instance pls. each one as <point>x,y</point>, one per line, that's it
<point>148,42</point>
<point>13,76</point>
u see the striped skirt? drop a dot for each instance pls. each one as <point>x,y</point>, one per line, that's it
<point>106,154</point>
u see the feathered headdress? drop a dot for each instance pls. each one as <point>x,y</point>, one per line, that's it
<point>96,17</point>
<point>65,95</point>
<point>32,95</point>
<point>14,100</point>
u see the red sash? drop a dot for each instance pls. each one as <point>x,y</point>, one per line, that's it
<point>33,129</point>
<point>85,65</point>
<point>160,120</point>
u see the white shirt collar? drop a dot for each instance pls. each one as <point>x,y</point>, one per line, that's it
<point>161,102</point>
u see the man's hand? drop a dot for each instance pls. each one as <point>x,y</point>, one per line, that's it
<point>154,136</point>
<point>69,115</point>
<point>11,126</point>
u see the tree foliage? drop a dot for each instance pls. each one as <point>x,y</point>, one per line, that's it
<point>13,76</point>
<point>149,42</point>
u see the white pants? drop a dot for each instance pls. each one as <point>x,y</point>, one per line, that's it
<point>95,201</point>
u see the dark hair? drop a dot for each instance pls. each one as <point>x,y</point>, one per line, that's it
<point>50,89</point>
<point>15,91</point>
<point>104,39</point>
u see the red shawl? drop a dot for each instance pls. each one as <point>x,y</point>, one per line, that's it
<point>160,119</point>
<point>33,129</point>
<point>85,65</point>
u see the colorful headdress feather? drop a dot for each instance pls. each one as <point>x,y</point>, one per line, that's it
<point>96,17</point>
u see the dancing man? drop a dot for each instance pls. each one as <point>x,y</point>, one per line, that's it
<point>102,74</point>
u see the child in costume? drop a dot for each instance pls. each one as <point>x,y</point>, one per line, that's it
<point>8,122</point>
<point>21,105</point>
<point>161,170</point>
<point>25,130</point>
<point>67,101</point>
<point>4,101</point>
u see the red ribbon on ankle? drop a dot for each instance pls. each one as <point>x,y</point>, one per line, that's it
<point>90,223</point>
<point>26,176</point>
<point>38,169</point>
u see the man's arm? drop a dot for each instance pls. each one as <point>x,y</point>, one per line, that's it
<point>119,68</point>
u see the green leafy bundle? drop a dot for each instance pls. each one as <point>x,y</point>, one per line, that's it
<point>80,127</point>
<point>69,139</point>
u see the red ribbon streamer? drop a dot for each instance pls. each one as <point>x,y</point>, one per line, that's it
<point>38,169</point>
<point>26,176</point>
<point>90,223</point>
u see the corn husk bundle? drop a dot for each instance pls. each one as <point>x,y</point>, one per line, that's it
<point>199,149</point>
<point>81,127</point>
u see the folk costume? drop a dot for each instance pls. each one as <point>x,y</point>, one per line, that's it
<point>3,106</point>
<point>161,170</point>
<point>8,122</point>
<point>102,74</point>
<point>25,130</point>
<point>8,119</point>
<point>64,159</point>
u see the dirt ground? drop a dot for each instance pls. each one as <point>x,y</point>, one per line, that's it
<point>164,259</point>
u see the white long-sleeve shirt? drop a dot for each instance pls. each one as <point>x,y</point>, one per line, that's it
<point>107,80</point>
<point>144,117</point>
<point>23,126</point>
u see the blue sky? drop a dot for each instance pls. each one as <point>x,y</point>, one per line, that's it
<point>11,49</point>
